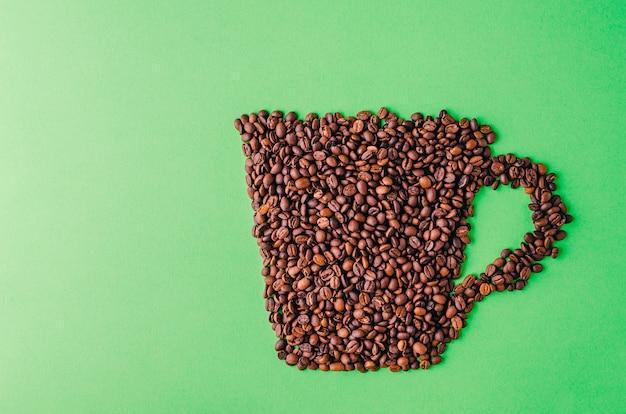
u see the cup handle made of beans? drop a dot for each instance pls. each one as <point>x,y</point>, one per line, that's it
<point>513,268</point>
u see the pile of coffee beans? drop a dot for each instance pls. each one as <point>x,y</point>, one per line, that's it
<point>362,226</point>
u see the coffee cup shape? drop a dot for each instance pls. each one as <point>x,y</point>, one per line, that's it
<point>362,227</point>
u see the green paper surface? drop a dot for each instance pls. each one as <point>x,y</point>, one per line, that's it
<point>129,278</point>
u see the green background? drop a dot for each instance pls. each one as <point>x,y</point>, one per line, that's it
<point>129,279</point>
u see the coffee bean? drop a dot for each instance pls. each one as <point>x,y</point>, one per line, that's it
<point>468,281</point>
<point>425,182</point>
<point>320,236</point>
<point>291,359</point>
<point>323,222</point>
<point>382,189</point>
<point>343,333</point>
<point>457,323</point>
<point>349,190</point>
<point>303,284</point>
<point>419,348</point>
<point>450,312</point>
<point>357,126</point>
<point>302,183</point>
<point>326,293</point>
<point>401,299</point>
<point>497,168</point>
<point>431,195</point>
<point>337,366</point>
<point>440,299</point>
<point>459,303</point>
<point>403,361</point>
<point>280,345</point>
<point>319,259</point>
<point>280,130</point>
<point>362,226</point>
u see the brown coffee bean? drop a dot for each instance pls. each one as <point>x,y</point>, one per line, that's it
<point>281,344</point>
<point>291,359</point>
<point>382,189</point>
<point>363,115</point>
<point>337,366</point>
<point>459,303</point>
<point>323,222</point>
<point>332,181</point>
<point>429,126</point>
<point>457,323</point>
<point>431,195</point>
<point>440,299</point>
<point>302,183</point>
<point>450,312</point>
<point>358,126</point>
<point>401,299</point>
<point>403,361</point>
<point>425,182</point>
<point>497,168</point>
<point>303,284</point>
<point>320,236</point>
<point>419,348</point>
<point>525,273</point>
<point>280,130</point>
<point>343,333</point>
<point>456,151</point>
<point>349,190</point>
<point>319,259</point>
<point>468,281</point>
<point>326,293</point>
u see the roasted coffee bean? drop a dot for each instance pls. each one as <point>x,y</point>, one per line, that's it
<point>485,289</point>
<point>337,366</point>
<point>349,190</point>
<point>362,223</point>
<point>425,182</point>
<point>291,359</point>
<point>419,349</point>
<point>457,323</point>
<point>302,183</point>
<point>323,222</point>
<point>460,303</point>
<point>281,344</point>
<point>382,189</point>
<point>440,299</point>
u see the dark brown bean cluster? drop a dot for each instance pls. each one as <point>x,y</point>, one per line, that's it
<point>362,226</point>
